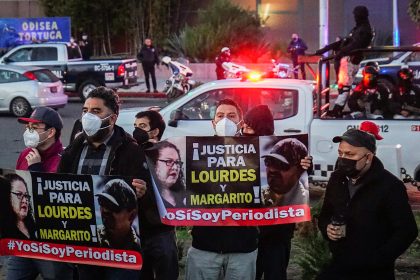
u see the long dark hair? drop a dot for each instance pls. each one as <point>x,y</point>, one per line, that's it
<point>8,220</point>
<point>153,153</point>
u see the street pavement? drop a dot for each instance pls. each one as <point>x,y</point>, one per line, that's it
<point>11,140</point>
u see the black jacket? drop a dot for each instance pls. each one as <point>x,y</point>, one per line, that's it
<point>380,224</point>
<point>225,239</point>
<point>402,97</point>
<point>360,37</point>
<point>377,99</point>
<point>148,55</point>
<point>126,159</point>
<point>297,48</point>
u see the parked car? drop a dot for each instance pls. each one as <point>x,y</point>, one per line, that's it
<point>76,74</point>
<point>23,89</point>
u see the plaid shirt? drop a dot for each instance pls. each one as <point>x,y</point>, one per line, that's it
<point>93,160</point>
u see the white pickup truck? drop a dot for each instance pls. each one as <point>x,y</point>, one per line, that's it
<point>292,103</point>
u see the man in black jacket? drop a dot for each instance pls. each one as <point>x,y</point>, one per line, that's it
<point>405,98</point>
<point>297,47</point>
<point>148,56</point>
<point>359,37</point>
<point>365,217</point>
<point>104,149</point>
<point>223,252</point>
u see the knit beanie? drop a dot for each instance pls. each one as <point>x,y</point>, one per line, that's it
<point>261,120</point>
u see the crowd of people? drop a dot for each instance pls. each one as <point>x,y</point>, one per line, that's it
<point>365,217</point>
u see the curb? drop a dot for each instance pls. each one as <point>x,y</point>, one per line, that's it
<point>130,94</point>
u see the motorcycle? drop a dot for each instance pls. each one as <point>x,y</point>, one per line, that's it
<point>282,70</point>
<point>180,82</point>
<point>233,70</point>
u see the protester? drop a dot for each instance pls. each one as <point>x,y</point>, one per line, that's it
<point>365,216</point>
<point>104,149</point>
<point>274,242</point>
<point>72,49</point>
<point>359,37</point>
<point>223,252</point>
<point>167,163</point>
<point>42,139</point>
<point>151,122</point>
<point>160,253</point>
<point>297,47</point>
<point>405,99</point>
<point>369,99</point>
<point>224,56</point>
<point>148,56</point>
<point>118,206</point>
<point>86,46</point>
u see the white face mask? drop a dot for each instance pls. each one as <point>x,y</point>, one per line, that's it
<point>31,138</point>
<point>92,123</point>
<point>84,37</point>
<point>226,127</point>
<point>71,40</point>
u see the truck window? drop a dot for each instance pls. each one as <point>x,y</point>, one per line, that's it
<point>7,76</point>
<point>44,54</point>
<point>73,52</point>
<point>21,55</point>
<point>413,57</point>
<point>283,103</point>
<point>203,107</point>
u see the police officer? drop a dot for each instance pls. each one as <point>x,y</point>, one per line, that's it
<point>297,47</point>
<point>369,99</point>
<point>405,99</point>
<point>224,56</point>
<point>359,37</point>
<point>148,56</point>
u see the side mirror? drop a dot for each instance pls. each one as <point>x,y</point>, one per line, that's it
<point>175,116</point>
<point>6,59</point>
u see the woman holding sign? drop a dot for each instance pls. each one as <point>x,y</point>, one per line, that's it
<point>17,219</point>
<point>169,177</point>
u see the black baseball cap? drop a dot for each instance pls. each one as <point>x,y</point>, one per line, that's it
<point>289,151</point>
<point>358,138</point>
<point>44,115</point>
<point>118,195</point>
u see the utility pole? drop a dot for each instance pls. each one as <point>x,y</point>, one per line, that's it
<point>323,23</point>
<point>395,28</point>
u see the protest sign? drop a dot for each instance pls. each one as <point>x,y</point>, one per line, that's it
<point>218,181</point>
<point>85,219</point>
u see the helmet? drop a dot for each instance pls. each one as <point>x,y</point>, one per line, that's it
<point>370,69</point>
<point>373,64</point>
<point>405,74</point>
<point>166,59</point>
<point>225,49</point>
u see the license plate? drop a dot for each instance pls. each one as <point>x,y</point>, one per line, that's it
<point>53,89</point>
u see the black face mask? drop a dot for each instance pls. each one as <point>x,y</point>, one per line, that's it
<point>348,166</point>
<point>140,135</point>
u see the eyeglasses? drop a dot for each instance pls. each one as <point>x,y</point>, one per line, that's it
<point>278,164</point>
<point>31,128</point>
<point>170,162</point>
<point>20,195</point>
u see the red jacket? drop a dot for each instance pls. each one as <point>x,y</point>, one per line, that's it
<point>50,159</point>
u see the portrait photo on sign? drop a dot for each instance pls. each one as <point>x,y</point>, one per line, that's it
<point>166,164</point>
<point>16,207</point>
<point>283,180</point>
<point>116,213</point>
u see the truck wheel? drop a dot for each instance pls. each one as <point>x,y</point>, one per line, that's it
<point>86,87</point>
<point>20,107</point>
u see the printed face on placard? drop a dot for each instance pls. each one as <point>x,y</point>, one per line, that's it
<point>168,166</point>
<point>19,199</point>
